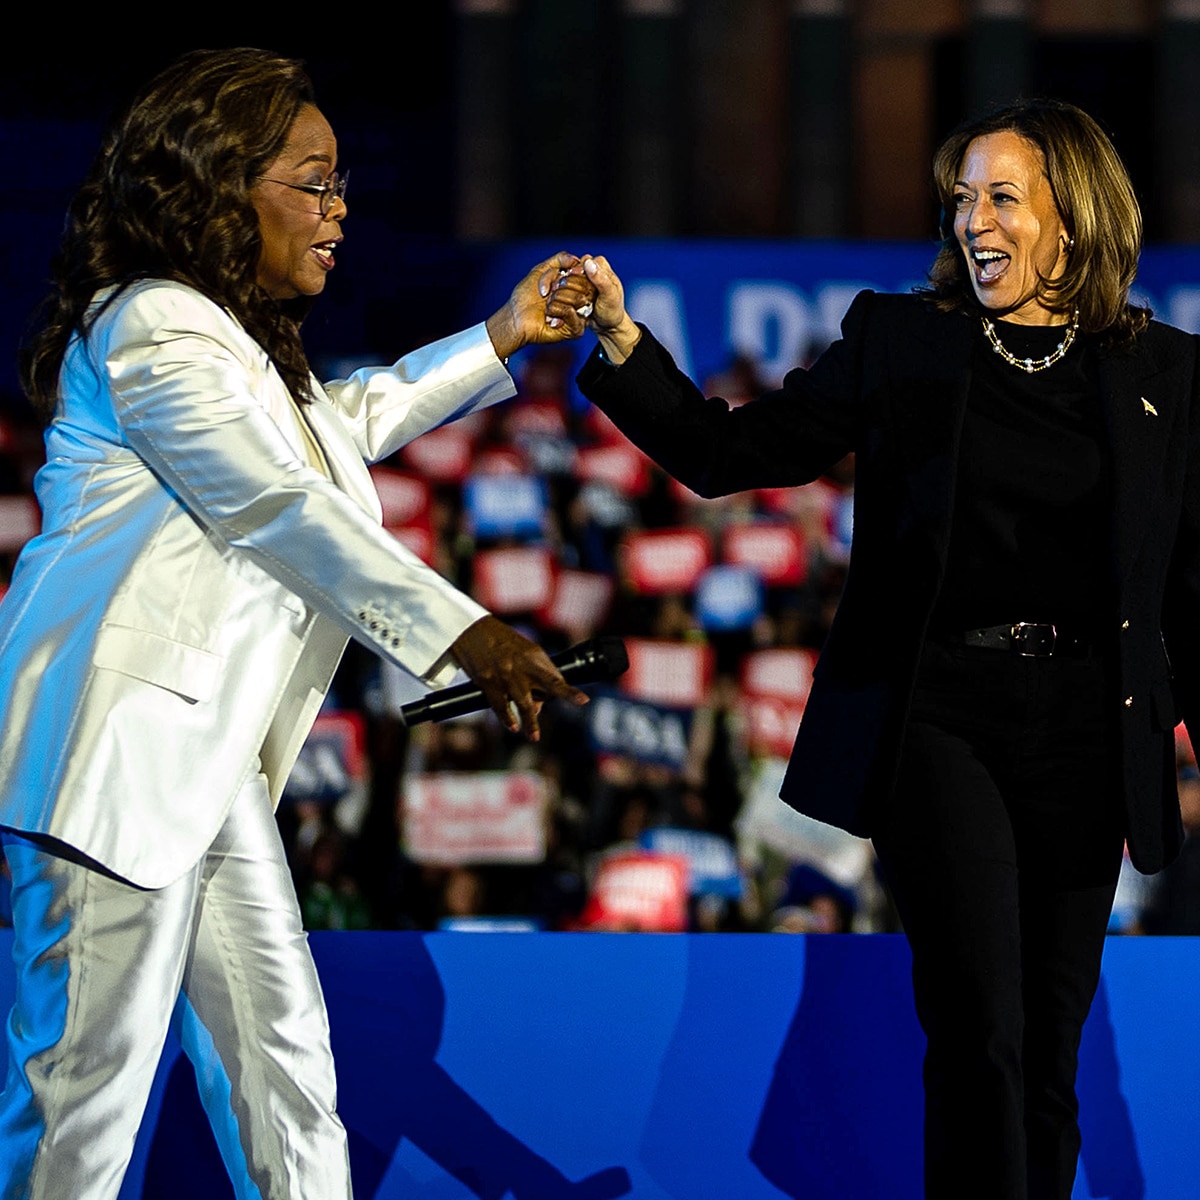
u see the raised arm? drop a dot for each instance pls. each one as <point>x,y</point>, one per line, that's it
<point>785,438</point>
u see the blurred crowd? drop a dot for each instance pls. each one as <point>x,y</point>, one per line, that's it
<point>654,807</point>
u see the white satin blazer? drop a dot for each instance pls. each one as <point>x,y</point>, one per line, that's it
<point>179,618</point>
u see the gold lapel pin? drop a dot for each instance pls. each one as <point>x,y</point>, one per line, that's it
<point>1149,408</point>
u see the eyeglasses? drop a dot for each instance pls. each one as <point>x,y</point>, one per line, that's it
<point>333,188</point>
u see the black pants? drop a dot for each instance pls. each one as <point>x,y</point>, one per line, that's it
<point>1002,849</point>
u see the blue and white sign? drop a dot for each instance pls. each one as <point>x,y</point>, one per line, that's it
<point>712,861</point>
<point>728,598</point>
<point>505,506</point>
<point>650,733</point>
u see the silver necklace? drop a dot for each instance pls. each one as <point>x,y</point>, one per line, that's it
<point>1031,365</point>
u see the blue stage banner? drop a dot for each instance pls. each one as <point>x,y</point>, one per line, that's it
<point>780,302</point>
<point>689,1067</point>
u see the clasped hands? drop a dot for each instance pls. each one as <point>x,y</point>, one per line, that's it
<point>558,299</point>
<point>554,302</point>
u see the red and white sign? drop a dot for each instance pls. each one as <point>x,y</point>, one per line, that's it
<point>476,817</point>
<point>623,467</point>
<point>20,520</point>
<point>665,560</point>
<point>775,687</point>
<point>542,417</point>
<point>639,891</point>
<point>514,579</point>
<point>775,551</point>
<point>442,455</point>
<point>771,724</point>
<point>580,602</point>
<point>677,674</point>
<point>784,673</point>
<point>406,503</point>
<point>405,499</point>
<point>498,460</point>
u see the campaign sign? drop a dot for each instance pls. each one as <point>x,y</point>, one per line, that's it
<point>650,733</point>
<point>639,891</point>
<point>674,673</point>
<point>771,724</point>
<point>332,761</point>
<point>785,672</point>
<point>580,602</point>
<point>505,506</point>
<point>442,455</point>
<point>449,819</point>
<point>665,560</point>
<point>712,861</point>
<point>728,598</point>
<point>542,417</point>
<point>514,579</point>
<point>775,551</point>
<point>404,498</point>
<point>623,467</point>
<point>499,460</point>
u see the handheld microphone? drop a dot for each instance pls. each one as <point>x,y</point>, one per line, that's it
<point>592,661</point>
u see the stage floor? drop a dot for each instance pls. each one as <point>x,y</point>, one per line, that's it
<point>739,1067</point>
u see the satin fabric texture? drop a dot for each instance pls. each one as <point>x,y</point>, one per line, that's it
<point>181,614</point>
<point>104,969</point>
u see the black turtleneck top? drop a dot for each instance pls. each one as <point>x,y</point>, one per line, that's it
<point>1030,539</point>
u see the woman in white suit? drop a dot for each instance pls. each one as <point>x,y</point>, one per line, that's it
<point>210,539</point>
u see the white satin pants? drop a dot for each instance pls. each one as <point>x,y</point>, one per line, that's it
<point>103,968</point>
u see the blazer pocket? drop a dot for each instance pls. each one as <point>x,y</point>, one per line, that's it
<point>186,670</point>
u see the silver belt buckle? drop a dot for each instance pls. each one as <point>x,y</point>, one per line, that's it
<point>1033,640</point>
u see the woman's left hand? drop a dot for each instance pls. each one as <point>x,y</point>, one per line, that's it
<point>551,304</point>
<point>514,674</point>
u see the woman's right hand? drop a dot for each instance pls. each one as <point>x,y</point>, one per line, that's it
<point>609,321</point>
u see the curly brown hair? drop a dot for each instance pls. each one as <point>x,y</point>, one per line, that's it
<point>168,197</point>
<point>1095,200</point>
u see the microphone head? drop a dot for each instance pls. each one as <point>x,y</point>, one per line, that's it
<point>594,660</point>
<point>612,653</point>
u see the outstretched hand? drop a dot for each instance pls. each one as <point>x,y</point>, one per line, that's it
<point>551,304</point>
<point>611,323</point>
<point>511,671</point>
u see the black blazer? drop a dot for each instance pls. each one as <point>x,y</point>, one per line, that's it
<point>894,390</point>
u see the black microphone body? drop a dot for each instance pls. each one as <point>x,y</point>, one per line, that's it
<point>592,661</point>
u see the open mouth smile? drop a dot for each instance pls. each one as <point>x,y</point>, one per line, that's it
<point>989,265</point>
<point>324,252</point>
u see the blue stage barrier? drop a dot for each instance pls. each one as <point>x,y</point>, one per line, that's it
<point>703,1066</point>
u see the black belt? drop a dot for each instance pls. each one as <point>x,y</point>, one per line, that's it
<point>1029,639</point>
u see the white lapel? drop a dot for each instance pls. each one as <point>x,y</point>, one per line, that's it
<point>345,462</point>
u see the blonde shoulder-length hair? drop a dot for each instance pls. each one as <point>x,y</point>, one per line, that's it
<point>1095,200</point>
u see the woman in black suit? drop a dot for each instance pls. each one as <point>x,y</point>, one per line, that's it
<point>994,705</point>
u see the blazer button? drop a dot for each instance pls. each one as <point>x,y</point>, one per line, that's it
<point>1128,701</point>
<point>1124,624</point>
